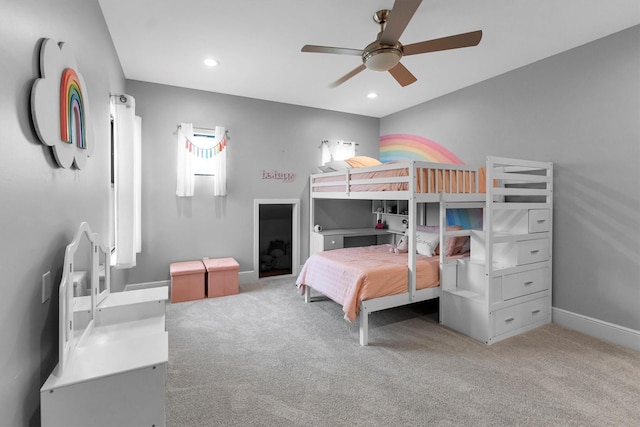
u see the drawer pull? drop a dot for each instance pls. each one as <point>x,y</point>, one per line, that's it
<point>535,251</point>
<point>540,221</point>
<point>509,319</point>
<point>529,283</point>
<point>535,312</point>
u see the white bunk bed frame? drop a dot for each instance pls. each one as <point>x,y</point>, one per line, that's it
<point>465,195</point>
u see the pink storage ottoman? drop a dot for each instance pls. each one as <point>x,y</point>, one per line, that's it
<point>222,276</point>
<point>187,281</point>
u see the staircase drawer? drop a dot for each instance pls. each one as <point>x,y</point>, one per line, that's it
<point>511,318</point>
<point>539,220</point>
<point>530,251</point>
<point>525,283</point>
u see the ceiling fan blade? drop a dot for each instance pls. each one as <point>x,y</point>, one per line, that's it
<point>347,76</point>
<point>399,18</point>
<point>402,75</point>
<point>327,49</point>
<point>444,43</point>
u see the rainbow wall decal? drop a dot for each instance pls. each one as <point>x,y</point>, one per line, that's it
<point>72,116</point>
<point>412,147</point>
<point>466,218</point>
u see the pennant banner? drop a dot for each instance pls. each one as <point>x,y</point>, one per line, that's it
<point>205,153</point>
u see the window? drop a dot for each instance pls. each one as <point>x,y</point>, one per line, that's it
<point>201,152</point>
<point>333,150</point>
<point>203,161</point>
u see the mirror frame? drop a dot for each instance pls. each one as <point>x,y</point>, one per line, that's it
<point>102,251</point>
<point>68,339</point>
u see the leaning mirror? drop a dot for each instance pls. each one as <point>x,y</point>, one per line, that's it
<point>104,278</point>
<point>75,295</point>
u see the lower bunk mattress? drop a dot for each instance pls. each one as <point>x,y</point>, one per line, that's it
<point>350,275</point>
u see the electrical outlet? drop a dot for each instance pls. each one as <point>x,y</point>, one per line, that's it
<point>46,286</point>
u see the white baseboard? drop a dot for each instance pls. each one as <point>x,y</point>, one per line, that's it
<point>245,277</point>
<point>616,334</point>
<point>146,285</point>
<point>251,276</point>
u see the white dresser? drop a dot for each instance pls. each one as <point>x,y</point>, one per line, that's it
<point>114,348</point>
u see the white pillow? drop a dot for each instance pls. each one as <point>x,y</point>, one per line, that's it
<point>338,165</point>
<point>426,243</point>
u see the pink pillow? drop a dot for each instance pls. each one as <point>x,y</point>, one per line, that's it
<point>362,161</point>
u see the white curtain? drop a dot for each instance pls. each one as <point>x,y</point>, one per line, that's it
<point>185,180</point>
<point>213,150</point>
<point>137,185</point>
<point>127,130</point>
<point>220,159</point>
<point>333,150</point>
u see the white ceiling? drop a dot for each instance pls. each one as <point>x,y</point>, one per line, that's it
<point>258,45</point>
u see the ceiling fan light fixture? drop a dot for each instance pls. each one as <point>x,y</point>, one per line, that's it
<point>382,59</point>
<point>386,51</point>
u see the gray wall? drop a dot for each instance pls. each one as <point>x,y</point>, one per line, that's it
<point>264,136</point>
<point>42,204</point>
<point>581,110</point>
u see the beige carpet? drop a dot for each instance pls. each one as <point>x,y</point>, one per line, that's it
<point>265,358</point>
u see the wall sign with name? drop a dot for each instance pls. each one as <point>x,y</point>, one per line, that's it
<point>278,175</point>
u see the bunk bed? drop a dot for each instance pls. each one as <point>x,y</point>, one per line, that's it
<point>517,187</point>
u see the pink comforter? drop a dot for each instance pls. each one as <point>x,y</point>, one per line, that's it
<point>349,276</point>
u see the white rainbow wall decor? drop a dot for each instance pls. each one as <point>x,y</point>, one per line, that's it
<point>60,106</point>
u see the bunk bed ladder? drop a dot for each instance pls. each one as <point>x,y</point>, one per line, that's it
<point>487,226</point>
<point>512,186</point>
<point>413,208</point>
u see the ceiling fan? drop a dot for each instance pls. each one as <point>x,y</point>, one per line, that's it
<point>385,52</point>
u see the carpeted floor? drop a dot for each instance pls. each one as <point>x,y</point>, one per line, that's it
<point>265,358</point>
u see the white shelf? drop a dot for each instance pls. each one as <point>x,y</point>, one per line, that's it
<point>467,294</point>
<point>117,299</point>
<point>353,232</point>
<point>391,207</point>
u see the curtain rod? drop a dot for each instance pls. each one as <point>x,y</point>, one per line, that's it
<point>198,127</point>
<point>226,131</point>
<point>123,98</point>
<point>344,142</point>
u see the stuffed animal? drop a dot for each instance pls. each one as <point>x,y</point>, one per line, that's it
<point>403,245</point>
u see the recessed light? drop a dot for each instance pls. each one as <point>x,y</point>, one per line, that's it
<point>372,95</point>
<point>210,62</point>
